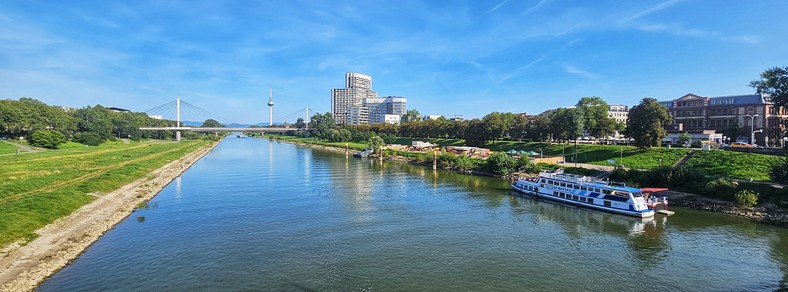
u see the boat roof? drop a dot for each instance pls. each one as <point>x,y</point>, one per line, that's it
<point>587,180</point>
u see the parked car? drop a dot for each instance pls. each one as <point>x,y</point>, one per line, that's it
<point>740,145</point>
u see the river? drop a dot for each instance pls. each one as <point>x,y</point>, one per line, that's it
<point>260,215</point>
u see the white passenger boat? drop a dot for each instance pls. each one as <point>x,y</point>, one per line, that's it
<point>587,192</point>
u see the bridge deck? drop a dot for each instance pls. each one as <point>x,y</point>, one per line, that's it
<point>218,129</point>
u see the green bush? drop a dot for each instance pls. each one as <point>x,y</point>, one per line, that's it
<point>747,198</point>
<point>447,160</point>
<point>47,138</point>
<point>88,138</point>
<point>721,188</point>
<point>465,163</point>
<point>779,171</point>
<point>523,163</point>
<point>500,163</point>
<point>388,138</point>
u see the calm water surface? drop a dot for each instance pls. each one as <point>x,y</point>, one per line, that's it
<point>260,215</point>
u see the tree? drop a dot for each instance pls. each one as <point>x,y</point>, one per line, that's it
<point>341,135</point>
<point>211,123</point>
<point>496,125</point>
<point>595,120</point>
<point>566,124</point>
<point>684,139</point>
<point>733,132</point>
<point>300,124</point>
<point>95,120</point>
<point>475,133</point>
<point>774,82</point>
<point>410,116</point>
<point>539,130</point>
<point>47,138</point>
<point>321,124</point>
<point>24,116</point>
<point>646,123</point>
<point>376,143</point>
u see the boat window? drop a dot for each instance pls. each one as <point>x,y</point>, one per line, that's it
<point>637,194</point>
<point>574,198</point>
<point>607,203</point>
<point>597,190</point>
<point>606,192</point>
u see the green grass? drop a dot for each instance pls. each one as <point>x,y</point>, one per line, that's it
<point>629,156</point>
<point>6,148</point>
<point>734,164</point>
<point>38,188</point>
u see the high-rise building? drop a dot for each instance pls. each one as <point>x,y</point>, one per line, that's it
<point>357,87</point>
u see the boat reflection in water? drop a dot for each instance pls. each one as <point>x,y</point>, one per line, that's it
<point>644,238</point>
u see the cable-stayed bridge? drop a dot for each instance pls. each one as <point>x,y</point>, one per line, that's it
<point>179,111</point>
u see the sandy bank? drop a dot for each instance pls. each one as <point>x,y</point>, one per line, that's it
<point>24,267</point>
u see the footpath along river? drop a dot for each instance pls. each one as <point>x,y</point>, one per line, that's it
<point>260,215</point>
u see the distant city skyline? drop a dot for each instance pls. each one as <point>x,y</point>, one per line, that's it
<point>474,56</point>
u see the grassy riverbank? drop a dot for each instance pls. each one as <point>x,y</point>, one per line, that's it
<point>718,163</point>
<point>38,188</point>
<point>6,148</point>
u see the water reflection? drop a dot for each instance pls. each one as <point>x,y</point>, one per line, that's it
<point>644,238</point>
<point>178,187</point>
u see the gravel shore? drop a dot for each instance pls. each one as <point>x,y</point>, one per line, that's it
<point>24,266</point>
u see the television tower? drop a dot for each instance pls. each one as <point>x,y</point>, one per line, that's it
<point>270,107</point>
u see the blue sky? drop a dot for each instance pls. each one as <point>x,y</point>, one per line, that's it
<point>447,57</point>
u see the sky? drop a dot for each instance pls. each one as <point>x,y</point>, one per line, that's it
<point>463,58</point>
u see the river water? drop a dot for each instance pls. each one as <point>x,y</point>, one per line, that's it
<point>261,215</point>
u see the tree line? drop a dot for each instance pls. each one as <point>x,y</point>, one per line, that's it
<point>49,126</point>
<point>589,116</point>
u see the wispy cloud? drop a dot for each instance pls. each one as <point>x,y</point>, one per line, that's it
<point>497,6</point>
<point>660,6</point>
<point>582,73</point>
<point>534,62</point>
<point>533,8</point>
<point>477,64</point>
<point>698,33</point>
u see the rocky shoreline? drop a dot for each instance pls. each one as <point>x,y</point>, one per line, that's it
<point>768,215</point>
<point>25,266</point>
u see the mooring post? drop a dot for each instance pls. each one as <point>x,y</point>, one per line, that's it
<point>434,160</point>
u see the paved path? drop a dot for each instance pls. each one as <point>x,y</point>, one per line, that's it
<point>22,148</point>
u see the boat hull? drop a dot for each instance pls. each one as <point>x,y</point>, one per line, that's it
<point>639,214</point>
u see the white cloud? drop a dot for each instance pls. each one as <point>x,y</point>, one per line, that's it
<point>697,33</point>
<point>497,6</point>
<point>660,6</point>
<point>582,73</point>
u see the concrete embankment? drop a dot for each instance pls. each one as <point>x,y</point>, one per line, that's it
<point>24,267</point>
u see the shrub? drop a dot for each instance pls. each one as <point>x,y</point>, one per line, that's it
<point>447,160</point>
<point>500,163</point>
<point>523,163</point>
<point>721,188</point>
<point>779,171</point>
<point>747,198</point>
<point>88,138</point>
<point>464,163</point>
<point>47,138</point>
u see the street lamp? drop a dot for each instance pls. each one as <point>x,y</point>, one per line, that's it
<point>752,128</point>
